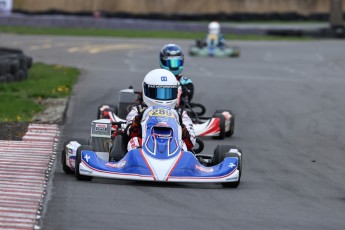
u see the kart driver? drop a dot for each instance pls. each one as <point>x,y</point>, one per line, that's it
<point>214,37</point>
<point>171,58</point>
<point>156,93</point>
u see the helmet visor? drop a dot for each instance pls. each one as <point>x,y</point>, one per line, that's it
<point>159,92</point>
<point>173,63</point>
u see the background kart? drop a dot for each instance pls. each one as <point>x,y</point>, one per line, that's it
<point>221,124</point>
<point>201,49</point>
<point>159,159</point>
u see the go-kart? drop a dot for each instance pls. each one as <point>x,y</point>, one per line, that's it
<point>161,158</point>
<point>220,125</point>
<point>202,49</point>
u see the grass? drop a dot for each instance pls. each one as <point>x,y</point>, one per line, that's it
<point>132,33</point>
<point>19,101</point>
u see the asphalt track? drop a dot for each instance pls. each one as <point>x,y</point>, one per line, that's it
<point>289,103</point>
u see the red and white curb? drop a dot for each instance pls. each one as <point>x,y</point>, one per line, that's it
<point>24,171</point>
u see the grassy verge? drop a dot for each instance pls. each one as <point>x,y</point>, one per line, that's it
<point>19,101</point>
<point>133,33</point>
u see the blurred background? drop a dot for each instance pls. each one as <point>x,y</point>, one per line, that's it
<point>323,17</point>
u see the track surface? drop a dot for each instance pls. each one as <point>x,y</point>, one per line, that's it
<point>289,103</point>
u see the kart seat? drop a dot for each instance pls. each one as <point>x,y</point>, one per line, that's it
<point>162,132</point>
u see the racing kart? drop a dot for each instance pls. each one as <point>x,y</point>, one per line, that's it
<point>203,50</point>
<point>161,158</point>
<point>221,124</point>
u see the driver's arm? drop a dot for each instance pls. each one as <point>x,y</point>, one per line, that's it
<point>188,134</point>
<point>133,120</point>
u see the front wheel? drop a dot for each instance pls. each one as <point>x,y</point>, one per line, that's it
<point>223,151</point>
<point>78,161</point>
<point>65,167</point>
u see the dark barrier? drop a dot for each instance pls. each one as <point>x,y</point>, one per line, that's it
<point>14,65</point>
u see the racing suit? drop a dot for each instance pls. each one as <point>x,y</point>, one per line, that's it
<point>215,40</point>
<point>134,128</point>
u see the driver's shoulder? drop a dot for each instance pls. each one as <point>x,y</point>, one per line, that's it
<point>185,80</point>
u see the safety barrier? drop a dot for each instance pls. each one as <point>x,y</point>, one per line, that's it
<point>14,65</point>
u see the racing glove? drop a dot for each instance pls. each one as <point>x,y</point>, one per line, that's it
<point>186,137</point>
<point>135,128</point>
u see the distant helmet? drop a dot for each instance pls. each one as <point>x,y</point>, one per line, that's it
<point>171,58</point>
<point>160,88</point>
<point>214,28</point>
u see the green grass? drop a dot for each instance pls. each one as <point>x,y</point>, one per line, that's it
<point>19,101</point>
<point>132,33</point>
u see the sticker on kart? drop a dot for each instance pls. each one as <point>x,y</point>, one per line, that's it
<point>161,113</point>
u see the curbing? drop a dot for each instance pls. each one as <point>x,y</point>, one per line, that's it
<point>24,182</point>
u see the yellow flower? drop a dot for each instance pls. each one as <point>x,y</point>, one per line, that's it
<point>63,89</point>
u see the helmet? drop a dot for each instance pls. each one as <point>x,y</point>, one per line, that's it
<point>171,58</point>
<point>160,88</point>
<point>214,28</point>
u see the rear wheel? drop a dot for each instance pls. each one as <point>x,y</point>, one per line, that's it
<point>78,161</point>
<point>231,130</point>
<point>235,52</point>
<point>221,126</point>
<point>65,167</point>
<point>223,151</point>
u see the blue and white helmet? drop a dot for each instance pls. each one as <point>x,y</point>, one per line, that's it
<point>160,88</point>
<point>171,58</point>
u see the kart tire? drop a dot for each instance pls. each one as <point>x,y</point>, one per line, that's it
<point>221,126</point>
<point>3,79</point>
<point>118,151</point>
<point>10,50</point>
<point>78,161</point>
<point>231,131</point>
<point>14,66</point>
<point>19,75</point>
<point>9,77</point>
<point>236,52</point>
<point>29,61</point>
<point>65,168</point>
<point>200,146</point>
<point>220,153</point>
